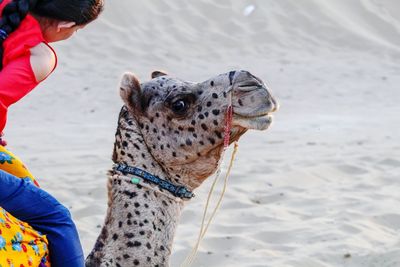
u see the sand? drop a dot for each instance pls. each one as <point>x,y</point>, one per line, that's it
<point>319,189</point>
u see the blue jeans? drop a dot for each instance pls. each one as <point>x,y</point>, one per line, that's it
<point>44,213</point>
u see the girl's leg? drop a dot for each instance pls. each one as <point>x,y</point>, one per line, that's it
<point>30,204</point>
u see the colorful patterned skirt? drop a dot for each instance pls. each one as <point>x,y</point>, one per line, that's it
<point>20,244</point>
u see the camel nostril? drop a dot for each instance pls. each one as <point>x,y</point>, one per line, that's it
<point>250,84</point>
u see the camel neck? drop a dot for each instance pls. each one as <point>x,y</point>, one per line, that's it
<point>139,227</point>
<point>141,220</point>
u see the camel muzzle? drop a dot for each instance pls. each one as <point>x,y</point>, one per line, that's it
<point>252,102</point>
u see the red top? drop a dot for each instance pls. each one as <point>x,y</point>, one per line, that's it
<point>17,78</point>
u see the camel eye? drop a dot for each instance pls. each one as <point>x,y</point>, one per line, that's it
<point>180,106</point>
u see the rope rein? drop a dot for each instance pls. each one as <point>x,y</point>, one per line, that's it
<point>204,226</point>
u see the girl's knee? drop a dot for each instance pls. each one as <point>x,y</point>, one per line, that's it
<point>64,212</point>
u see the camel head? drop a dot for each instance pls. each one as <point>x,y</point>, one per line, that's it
<point>182,123</point>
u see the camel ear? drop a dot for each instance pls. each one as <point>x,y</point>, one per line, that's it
<point>130,91</point>
<point>158,73</point>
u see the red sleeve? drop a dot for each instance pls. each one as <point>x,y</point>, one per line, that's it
<point>16,80</point>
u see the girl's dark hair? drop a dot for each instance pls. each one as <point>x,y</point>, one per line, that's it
<point>79,11</point>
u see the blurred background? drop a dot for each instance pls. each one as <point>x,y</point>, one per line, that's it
<point>320,188</point>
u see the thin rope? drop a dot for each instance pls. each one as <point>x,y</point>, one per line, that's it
<point>189,259</point>
<point>235,149</point>
<point>203,229</point>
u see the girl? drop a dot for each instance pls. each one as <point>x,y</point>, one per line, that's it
<point>26,59</point>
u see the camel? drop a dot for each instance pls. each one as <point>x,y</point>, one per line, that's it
<point>169,139</point>
<point>172,129</point>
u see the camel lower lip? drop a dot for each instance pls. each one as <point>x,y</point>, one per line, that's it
<point>261,122</point>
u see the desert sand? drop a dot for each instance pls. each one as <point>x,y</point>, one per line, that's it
<point>319,189</point>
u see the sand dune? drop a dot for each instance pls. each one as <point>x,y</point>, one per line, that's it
<point>320,189</point>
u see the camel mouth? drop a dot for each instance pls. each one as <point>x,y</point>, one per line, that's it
<point>260,121</point>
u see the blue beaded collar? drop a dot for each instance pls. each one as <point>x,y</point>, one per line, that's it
<point>176,190</point>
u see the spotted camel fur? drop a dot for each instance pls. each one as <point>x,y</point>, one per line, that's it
<point>174,130</point>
